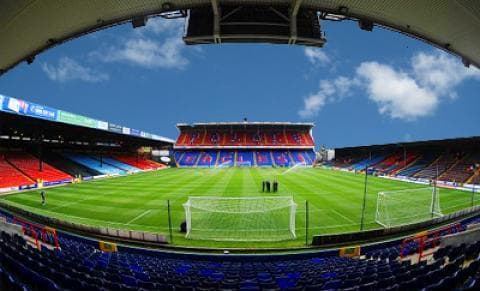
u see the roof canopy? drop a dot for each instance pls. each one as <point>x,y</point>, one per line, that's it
<point>245,125</point>
<point>27,27</point>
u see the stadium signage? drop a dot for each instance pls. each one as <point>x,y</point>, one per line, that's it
<point>115,128</point>
<point>75,119</point>
<point>18,106</point>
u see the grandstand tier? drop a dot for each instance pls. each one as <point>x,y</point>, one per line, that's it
<point>444,259</point>
<point>245,134</point>
<point>33,168</point>
<point>10,176</point>
<point>454,161</point>
<point>244,144</point>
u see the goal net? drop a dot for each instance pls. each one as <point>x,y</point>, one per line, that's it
<point>267,218</point>
<point>407,206</point>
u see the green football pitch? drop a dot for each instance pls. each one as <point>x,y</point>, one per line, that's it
<point>139,201</point>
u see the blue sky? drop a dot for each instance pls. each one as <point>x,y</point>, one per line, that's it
<point>361,88</point>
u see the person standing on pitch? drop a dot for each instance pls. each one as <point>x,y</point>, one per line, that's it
<point>275,185</point>
<point>44,199</point>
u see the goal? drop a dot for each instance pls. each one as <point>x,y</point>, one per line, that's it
<point>262,218</point>
<point>407,206</point>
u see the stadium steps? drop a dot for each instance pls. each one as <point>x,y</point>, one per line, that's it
<point>20,170</point>
<point>179,159</point>
<point>235,158</point>
<point>10,176</point>
<point>198,159</point>
<point>118,164</point>
<point>452,167</point>
<point>273,159</point>
<point>217,158</point>
<point>254,158</point>
<point>429,165</point>
<point>407,166</point>
<point>69,166</point>
<point>476,174</point>
<point>291,157</point>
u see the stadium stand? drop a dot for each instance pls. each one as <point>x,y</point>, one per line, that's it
<point>189,159</point>
<point>207,159</point>
<point>244,144</point>
<point>117,164</point>
<point>138,162</point>
<point>281,158</point>
<point>244,159</point>
<point>226,159</point>
<point>29,166</point>
<point>437,167</point>
<point>425,160</point>
<point>368,162</point>
<point>68,166</point>
<point>10,176</point>
<point>93,163</point>
<point>263,158</point>
<point>80,265</point>
<point>394,162</point>
<point>462,170</point>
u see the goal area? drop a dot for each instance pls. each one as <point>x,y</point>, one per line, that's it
<point>395,208</point>
<point>262,218</point>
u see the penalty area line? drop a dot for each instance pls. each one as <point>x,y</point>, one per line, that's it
<point>341,215</point>
<point>138,216</point>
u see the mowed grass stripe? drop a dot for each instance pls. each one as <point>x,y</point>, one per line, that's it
<point>140,201</point>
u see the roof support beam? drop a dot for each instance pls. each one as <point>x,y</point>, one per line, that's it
<point>216,21</point>
<point>293,20</point>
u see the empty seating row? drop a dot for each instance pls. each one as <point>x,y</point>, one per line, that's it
<point>138,162</point>
<point>93,163</point>
<point>243,158</point>
<point>10,176</point>
<point>243,138</point>
<point>462,170</point>
<point>80,266</point>
<point>439,166</point>
<point>30,166</point>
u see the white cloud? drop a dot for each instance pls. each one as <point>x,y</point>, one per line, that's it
<point>149,53</point>
<point>69,69</point>
<point>145,50</point>
<point>329,91</point>
<point>441,72</point>
<point>316,56</point>
<point>418,91</point>
<point>397,94</point>
<point>409,94</point>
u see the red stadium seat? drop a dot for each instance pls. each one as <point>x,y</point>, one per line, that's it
<point>29,165</point>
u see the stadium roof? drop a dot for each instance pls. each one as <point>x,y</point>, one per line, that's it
<point>246,123</point>
<point>14,106</point>
<point>471,140</point>
<point>28,27</point>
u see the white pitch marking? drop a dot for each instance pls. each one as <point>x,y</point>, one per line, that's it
<point>341,215</point>
<point>139,216</point>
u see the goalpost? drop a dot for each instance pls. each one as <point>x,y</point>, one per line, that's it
<point>263,218</point>
<point>407,206</point>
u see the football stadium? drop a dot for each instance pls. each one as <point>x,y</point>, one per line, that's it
<point>94,204</point>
